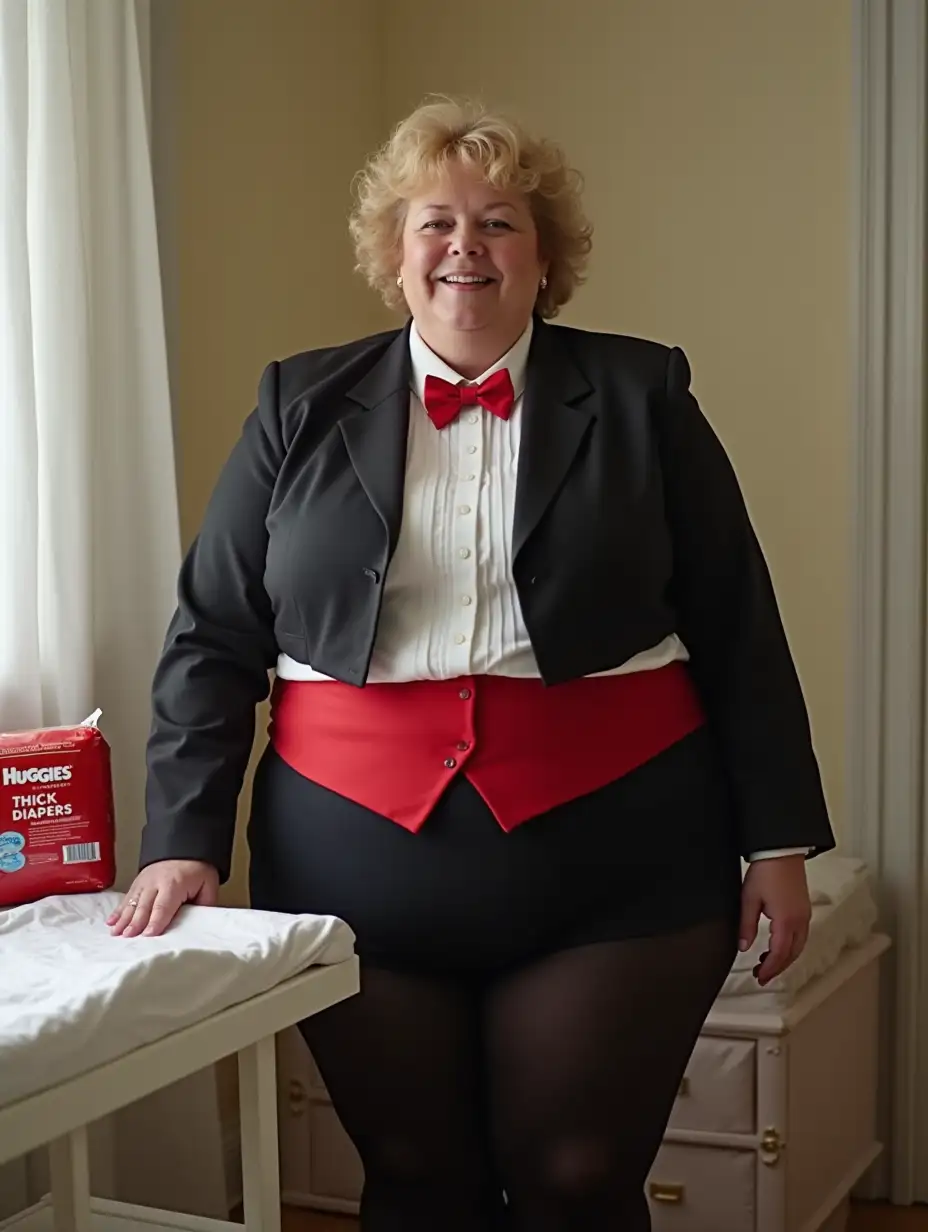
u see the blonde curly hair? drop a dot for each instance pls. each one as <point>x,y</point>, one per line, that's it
<point>440,131</point>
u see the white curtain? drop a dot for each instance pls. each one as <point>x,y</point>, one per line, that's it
<point>89,541</point>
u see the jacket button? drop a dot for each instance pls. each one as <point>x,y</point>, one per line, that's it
<point>464,695</point>
<point>372,574</point>
<point>450,763</point>
<point>463,745</point>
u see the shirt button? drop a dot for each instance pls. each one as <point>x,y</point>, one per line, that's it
<point>471,418</point>
<point>471,448</point>
<point>464,553</point>
<point>462,509</point>
<point>460,639</point>
<point>463,746</point>
<point>466,600</point>
<point>464,695</point>
<point>470,477</point>
<point>450,763</point>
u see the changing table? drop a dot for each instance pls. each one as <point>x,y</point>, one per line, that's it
<point>132,1015</point>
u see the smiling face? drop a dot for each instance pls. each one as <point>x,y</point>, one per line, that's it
<point>470,267</point>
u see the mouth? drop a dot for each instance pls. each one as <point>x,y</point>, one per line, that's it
<point>466,282</point>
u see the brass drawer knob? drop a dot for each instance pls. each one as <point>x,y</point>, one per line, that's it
<point>671,1195</point>
<point>771,1147</point>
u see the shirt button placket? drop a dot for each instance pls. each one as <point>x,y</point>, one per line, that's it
<point>467,492</point>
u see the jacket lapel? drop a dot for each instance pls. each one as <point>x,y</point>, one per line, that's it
<point>376,434</point>
<point>554,422</point>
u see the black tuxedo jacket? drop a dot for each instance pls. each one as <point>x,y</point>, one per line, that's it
<point>629,526</point>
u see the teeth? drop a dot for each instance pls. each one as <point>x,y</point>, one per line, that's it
<point>464,278</point>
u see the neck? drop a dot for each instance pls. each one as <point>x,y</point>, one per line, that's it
<point>469,352</point>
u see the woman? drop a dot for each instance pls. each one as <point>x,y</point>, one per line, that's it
<point>533,701</point>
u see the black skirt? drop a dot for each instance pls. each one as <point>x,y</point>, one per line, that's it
<point>652,852</point>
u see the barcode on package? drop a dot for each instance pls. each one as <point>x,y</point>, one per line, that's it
<point>80,853</point>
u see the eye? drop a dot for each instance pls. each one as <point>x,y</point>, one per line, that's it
<point>434,223</point>
<point>498,222</point>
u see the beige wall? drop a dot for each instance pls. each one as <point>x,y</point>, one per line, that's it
<point>266,137</point>
<point>714,137</point>
<point>715,140</point>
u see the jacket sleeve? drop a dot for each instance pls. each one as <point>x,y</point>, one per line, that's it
<point>214,666</point>
<point>730,623</point>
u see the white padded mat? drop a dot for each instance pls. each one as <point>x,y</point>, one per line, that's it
<point>844,914</point>
<point>73,997</point>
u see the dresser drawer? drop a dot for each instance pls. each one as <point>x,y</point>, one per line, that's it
<point>718,1092</point>
<point>702,1189</point>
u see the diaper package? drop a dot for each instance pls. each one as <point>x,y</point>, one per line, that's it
<point>57,824</point>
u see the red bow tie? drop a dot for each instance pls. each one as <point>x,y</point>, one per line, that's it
<point>443,400</point>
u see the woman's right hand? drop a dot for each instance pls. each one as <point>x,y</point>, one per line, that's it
<point>159,891</point>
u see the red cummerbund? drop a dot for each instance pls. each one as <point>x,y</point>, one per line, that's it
<point>525,747</point>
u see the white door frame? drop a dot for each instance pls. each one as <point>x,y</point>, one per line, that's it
<point>887,669</point>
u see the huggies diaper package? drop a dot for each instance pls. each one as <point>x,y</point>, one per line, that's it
<point>57,824</point>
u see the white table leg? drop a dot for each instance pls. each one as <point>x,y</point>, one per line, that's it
<point>260,1159</point>
<point>69,1163</point>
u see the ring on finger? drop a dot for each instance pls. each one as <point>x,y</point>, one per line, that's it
<point>133,902</point>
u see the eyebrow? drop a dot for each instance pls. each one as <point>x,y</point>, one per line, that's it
<point>494,205</point>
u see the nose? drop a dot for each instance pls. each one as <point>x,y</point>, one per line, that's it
<point>466,241</point>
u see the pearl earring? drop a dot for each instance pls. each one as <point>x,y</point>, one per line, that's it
<point>399,281</point>
<point>544,282</point>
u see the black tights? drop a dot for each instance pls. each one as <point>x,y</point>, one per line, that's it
<point>553,1084</point>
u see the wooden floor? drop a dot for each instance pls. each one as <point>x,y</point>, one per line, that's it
<point>865,1218</point>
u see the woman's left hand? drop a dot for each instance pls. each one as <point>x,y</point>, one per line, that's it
<point>777,887</point>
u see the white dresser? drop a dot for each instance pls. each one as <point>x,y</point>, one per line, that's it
<point>774,1124</point>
